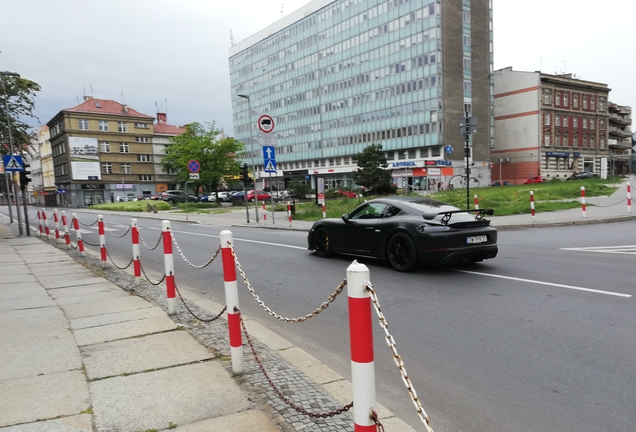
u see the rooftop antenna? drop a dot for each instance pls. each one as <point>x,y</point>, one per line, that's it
<point>123,101</point>
<point>281,9</point>
<point>232,41</point>
<point>91,90</point>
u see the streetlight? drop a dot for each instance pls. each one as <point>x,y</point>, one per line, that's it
<point>249,117</point>
<point>15,186</point>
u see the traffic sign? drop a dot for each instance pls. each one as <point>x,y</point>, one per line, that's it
<point>193,166</point>
<point>266,123</point>
<point>13,163</point>
<point>269,159</point>
<point>449,149</point>
<point>194,176</point>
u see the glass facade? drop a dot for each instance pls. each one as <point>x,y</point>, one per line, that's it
<point>349,74</point>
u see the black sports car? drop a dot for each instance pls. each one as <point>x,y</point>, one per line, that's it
<point>408,232</point>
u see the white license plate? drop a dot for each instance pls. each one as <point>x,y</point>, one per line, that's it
<point>476,239</point>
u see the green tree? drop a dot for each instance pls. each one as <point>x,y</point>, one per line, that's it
<point>20,97</point>
<point>216,156</point>
<point>299,189</point>
<point>372,172</point>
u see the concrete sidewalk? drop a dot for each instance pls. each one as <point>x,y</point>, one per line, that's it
<point>81,353</point>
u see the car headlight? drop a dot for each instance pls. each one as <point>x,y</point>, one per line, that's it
<point>426,228</point>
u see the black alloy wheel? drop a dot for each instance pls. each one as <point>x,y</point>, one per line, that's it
<point>402,253</point>
<point>322,243</point>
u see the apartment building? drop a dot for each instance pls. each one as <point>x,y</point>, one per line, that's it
<point>339,75</point>
<point>163,134</point>
<point>548,125</point>
<point>620,138</point>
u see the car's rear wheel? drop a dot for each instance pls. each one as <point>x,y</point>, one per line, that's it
<point>402,253</point>
<point>322,243</point>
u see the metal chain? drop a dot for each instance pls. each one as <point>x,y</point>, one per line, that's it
<point>398,360</point>
<point>34,217</point>
<point>147,278</point>
<point>188,262</point>
<point>123,235</point>
<point>148,247</point>
<point>120,268</point>
<point>193,314</point>
<point>322,307</point>
<point>91,244</point>
<point>81,223</point>
<point>376,419</point>
<point>610,205</point>
<point>277,391</point>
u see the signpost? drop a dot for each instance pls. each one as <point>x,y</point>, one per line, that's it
<point>269,164</point>
<point>467,127</point>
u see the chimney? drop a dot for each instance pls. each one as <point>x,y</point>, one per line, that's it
<point>87,98</point>
<point>125,108</point>
<point>162,118</point>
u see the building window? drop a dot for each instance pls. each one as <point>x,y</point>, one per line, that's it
<point>466,39</point>
<point>584,140</point>
<point>575,101</point>
<point>466,17</point>
<point>142,139</point>
<point>121,127</point>
<point>565,99</point>
<point>145,177</point>
<point>546,119</point>
<point>467,85</point>
<point>107,168</point>
<point>584,102</point>
<point>557,120</point>
<point>557,98</point>
<point>565,121</point>
<point>592,141</point>
<point>104,147</point>
<point>82,124</point>
<point>143,158</point>
<point>546,97</point>
<point>601,142</point>
<point>592,124</point>
<point>601,124</point>
<point>141,125</point>
<point>584,125</point>
<point>592,103</point>
<point>103,125</point>
<point>575,122</point>
<point>466,62</point>
<point>546,139</point>
<point>125,168</point>
<point>123,148</point>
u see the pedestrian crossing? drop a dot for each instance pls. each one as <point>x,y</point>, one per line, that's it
<point>629,249</point>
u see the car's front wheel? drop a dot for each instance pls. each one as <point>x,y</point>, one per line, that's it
<point>322,243</point>
<point>402,253</point>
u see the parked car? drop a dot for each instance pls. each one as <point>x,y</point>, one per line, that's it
<point>144,197</point>
<point>124,199</point>
<point>281,195</point>
<point>155,197</point>
<point>582,175</point>
<point>407,232</point>
<point>501,183</point>
<point>346,193</point>
<point>237,197</point>
<point>206,198</point>
<point>176,196</point>
<point>537,179</point>
<point>260,196</point>
<point>225,196</point>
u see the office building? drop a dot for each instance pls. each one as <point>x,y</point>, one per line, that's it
<point>339,75</point>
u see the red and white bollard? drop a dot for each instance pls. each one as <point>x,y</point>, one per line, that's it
<point>324,211</point>
<point>67,236</point>
<point>78,234</point>
<point>46,224</point>
<point>361,341</point>
<point>169,267</point>
<point>264,212</point>
<point>629,198</point>
<point>289,218</point>
<point>583,200</point>
<point>232,301</point>
<point>102,239</point>
<point>532,204</point>
<point>40,222</point>
<point>56,219</point>
<point>476,202</point>
<point>135,249</point>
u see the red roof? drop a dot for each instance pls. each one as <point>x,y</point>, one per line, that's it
<point>163,129</point>
<point>102,106</point>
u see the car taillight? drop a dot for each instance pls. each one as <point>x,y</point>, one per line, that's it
<point>432,228</point>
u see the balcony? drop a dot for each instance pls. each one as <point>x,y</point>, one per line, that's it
<point>616,132</point>
<point>624,120</point>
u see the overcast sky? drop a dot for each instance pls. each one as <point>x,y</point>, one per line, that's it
<point>173,54</point>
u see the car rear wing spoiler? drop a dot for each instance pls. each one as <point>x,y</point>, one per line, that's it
<point>447,215</point>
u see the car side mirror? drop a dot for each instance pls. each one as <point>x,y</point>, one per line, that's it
<point>345,217</point>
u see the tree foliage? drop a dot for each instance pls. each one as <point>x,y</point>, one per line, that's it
<point>372,172</point>
<point>216,156</point>
<point>20,98</point>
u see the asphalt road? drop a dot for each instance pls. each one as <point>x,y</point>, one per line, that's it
<point>539,339</point>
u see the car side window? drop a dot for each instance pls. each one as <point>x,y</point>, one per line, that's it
<point>390,211</point>
<point>368,211</point>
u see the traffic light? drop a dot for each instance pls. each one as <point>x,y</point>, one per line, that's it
<point>24,179</point>
<point>244,176</point>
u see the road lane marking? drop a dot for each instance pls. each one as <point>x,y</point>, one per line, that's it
<point>241,240</point>
<point>572,287</point>
<point>627,249</point>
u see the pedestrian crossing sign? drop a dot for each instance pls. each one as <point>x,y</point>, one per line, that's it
<point>270,166</point>
<point>13,163</point>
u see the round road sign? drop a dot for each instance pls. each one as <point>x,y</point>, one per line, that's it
<point>193,166</point>
<point>266,123</point>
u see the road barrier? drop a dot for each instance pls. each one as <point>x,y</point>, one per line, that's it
<point>476,203</point>
<point>67,236</point>
<point>583,200</point>
<point>532,204</point>
<point>361,300</point>
<point>41,231</point>
<point>56,220</point>
<point>629,198</point>
<point>46,225</point>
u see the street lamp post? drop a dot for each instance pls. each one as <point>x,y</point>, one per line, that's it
<point>249,119</point>
<point>15,186</point>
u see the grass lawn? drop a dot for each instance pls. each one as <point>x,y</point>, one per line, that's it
<point>505,200</point>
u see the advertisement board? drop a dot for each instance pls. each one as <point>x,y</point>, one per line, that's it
<point>84,158</point>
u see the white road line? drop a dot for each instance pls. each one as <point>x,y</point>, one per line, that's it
<point>546,283</point>
<point>243,240</point>
<point>627,249</point>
